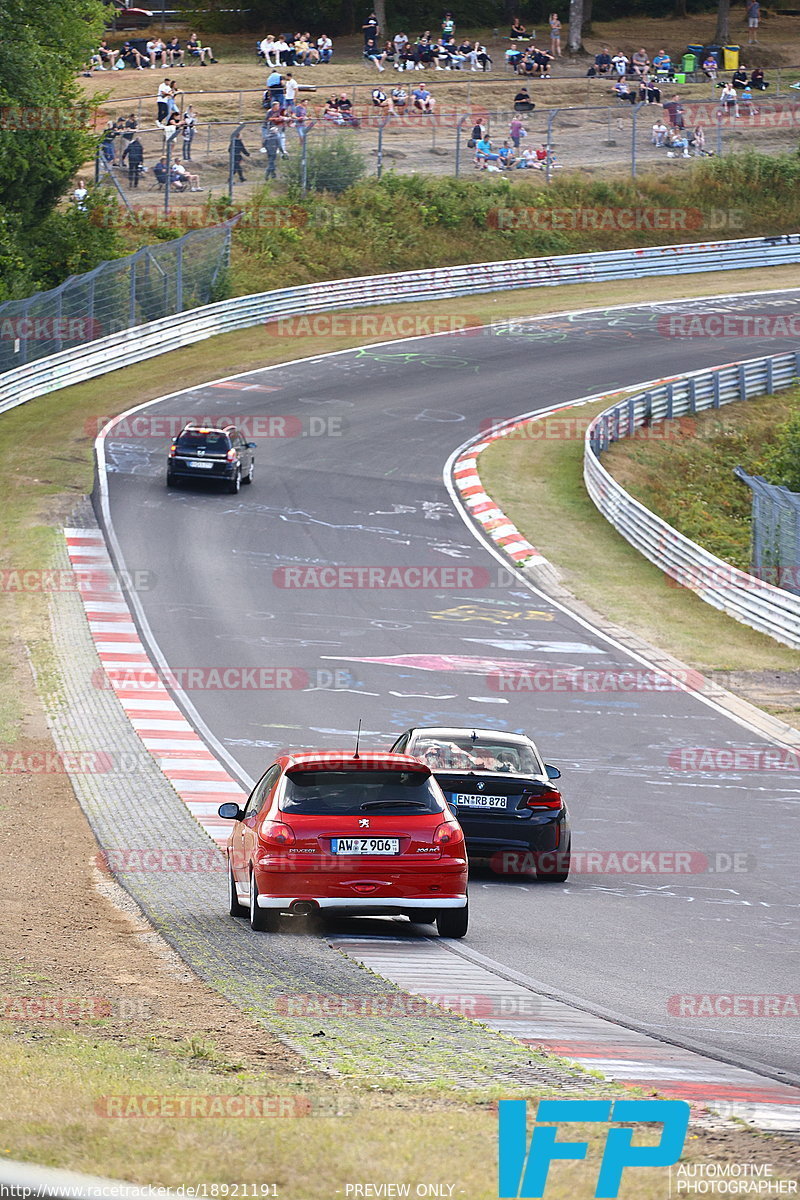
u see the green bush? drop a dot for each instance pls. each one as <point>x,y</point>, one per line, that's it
<point>782,460</point>
<point>333,165</point>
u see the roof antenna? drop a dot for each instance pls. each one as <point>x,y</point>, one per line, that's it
<point>358,737</point>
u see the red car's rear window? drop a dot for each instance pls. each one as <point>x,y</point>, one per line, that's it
<point>356,793</point>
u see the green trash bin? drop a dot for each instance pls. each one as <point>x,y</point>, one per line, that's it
<point>730,57</point>
<point>689,64</point>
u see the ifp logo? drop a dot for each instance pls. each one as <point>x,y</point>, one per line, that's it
<point>523,1169</point>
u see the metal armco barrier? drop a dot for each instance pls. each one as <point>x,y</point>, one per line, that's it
<point>745,597</point>
<point>439,283</point>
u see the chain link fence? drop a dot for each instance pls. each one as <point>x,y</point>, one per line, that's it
<point>157,281</point>
<point>775,537</point>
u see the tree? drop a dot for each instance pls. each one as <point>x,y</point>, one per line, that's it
<point>722,33</point>
<point>574,43</point>
<point>44,132</point>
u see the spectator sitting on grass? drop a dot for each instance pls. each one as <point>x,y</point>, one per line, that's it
<point>739,79</point>
<point>104,59</point>
<point>649,91</point>
<point>620,64</point>
<point>710,67</point>
<point>484,154</point>
<point>423,100</point>
<point>602,62</point>
<point>381,101</point>
<point>757,80</point>
<point>156,52</point>
<point>678,140</point>
<point>129,54</point>
<point>173,53</point>
<point>517,29</point>
<point>324,48</point>
<point>662,64</point>
<point>373,53</point>
<point>331,112</point>
<point>345,105</point>
<point>659,135</point>
<point>623,92</point>
<point>185,177</point>
<point>268,52</point>
<point>480,56</point>
<point>640,62</point>
<point>507,156</point>
<point>198,50</point>
<point>399,99</point>
<point>528,160</point>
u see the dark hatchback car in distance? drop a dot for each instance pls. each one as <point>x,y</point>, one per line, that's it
<point>215,454</point>
<point>503,795</point>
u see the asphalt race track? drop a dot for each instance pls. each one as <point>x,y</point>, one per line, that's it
<point>361,485</point>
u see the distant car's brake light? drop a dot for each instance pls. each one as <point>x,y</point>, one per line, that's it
<point>275,833</point>
<point>447,834</point>
<point>549,798</point>
<point>231,455</point>
<point>172,450</point>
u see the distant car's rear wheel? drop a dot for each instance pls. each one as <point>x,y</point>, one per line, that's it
<point>235,483</point>
<point>422,916</point>
<point>170,479</point>
<point>235,908</point>
<point>559,872</point>
<point>249,476</point>
<point>452,922</point>
<point>263,920</point>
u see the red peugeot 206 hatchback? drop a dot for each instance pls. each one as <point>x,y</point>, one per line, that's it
<point>367,833</point>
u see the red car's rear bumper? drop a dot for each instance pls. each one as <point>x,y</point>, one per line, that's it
<point>402,887</point>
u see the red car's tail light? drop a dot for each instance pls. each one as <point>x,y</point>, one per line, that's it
<point>231,455</point>
<point>447,834</point>
<point>549,798</point>
<point>275,833</point>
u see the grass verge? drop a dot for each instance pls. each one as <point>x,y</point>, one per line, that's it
<point>60,1084</point>
<point>688,477</point>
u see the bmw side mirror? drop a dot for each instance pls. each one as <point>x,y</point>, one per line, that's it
<point>552,773</point>
<point>230,811</point>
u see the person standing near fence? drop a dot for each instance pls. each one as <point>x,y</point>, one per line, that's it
<point>134,153</point>
<point>753,15</point>
<point>188,124</point>
<point>555,35</point>
<point>270,146</point>
<point>162,97</point>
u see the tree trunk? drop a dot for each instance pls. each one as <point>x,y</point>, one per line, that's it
<point>574,43</point>
<point>679,10</point>
<point>586,24</point>
<point>722,35</point>
<point>379,8</point>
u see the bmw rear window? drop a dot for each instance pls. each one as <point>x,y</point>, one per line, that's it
<point>480,754</point>
<point>357,793</point>
<point>213,443</point>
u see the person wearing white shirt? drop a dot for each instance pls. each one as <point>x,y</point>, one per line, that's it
<point>325,48</point>
<point>290,86</point>
<point>620,64</point>
<point>79,195</point>
<point>267,48</point>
